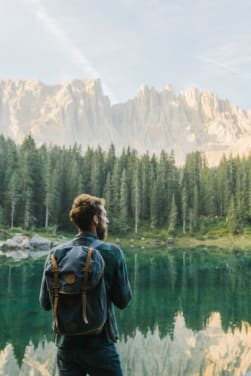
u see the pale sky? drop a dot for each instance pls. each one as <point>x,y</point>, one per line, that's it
<point>202,43</point>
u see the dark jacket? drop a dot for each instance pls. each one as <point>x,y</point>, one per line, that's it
<point>117,286</point>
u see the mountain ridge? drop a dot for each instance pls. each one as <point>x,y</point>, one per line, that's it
<point>78,111</point>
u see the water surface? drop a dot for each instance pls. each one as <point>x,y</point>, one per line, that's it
<point>191,315</point>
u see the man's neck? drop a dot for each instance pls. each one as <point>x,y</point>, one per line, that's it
<point>87,233</point>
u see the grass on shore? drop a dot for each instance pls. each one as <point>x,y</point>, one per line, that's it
<point>216,236</point>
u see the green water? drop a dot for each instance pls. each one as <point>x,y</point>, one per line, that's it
<point>191,315</point>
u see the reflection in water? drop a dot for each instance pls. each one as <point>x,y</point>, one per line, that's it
<point>37,361</point>
<point>190,315</point>
<point>208,352</point>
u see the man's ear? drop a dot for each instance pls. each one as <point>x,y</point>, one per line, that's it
<point>95,219</point>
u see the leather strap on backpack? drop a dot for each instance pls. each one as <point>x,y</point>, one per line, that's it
<point>86,270</point>
<point>55,288</point>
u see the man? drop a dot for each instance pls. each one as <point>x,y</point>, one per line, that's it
<point>95,355</point>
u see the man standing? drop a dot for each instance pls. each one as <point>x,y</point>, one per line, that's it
<point>95,355</point>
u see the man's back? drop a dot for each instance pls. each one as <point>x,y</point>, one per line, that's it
<point>117,287</point>
<point>96,355</point>
<point>118,293</point>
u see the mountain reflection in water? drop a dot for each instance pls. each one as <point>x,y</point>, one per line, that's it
<point>190,315</point>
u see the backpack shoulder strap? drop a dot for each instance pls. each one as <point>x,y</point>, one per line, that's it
<point>95,243</point>
<point>55,288</point>
<point>86,270</point>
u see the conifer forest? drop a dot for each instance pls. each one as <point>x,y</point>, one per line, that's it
<point>38,185</point>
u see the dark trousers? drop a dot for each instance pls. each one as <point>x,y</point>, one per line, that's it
<point>103,361</point>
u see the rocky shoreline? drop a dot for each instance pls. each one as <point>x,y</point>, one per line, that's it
<point>21,246</point>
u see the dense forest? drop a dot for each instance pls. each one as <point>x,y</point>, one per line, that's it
<point>38,185</point>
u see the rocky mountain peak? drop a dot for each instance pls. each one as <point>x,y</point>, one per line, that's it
<point>78,111</point>
<point>190,97</point>
<point>169,88</point>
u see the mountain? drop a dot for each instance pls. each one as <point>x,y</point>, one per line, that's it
<point>78,111</point>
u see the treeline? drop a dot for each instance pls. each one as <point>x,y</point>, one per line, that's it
<point>38,184</point>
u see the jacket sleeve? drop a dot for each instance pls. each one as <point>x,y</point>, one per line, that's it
<point>44,298</point>
<point>121,292</point>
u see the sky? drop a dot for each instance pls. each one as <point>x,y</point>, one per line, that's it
<point>127,43</point>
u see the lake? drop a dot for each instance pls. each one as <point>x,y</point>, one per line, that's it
<point>190,315</point>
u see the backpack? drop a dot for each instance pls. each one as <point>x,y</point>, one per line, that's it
<point>75,280</point>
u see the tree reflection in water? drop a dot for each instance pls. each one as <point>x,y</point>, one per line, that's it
<point>191,312</point>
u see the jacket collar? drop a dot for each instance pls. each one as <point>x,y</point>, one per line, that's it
<point>86,234</point>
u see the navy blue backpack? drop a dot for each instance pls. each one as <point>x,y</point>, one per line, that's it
<point>75,280</point>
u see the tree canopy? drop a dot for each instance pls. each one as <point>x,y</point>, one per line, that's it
<point>38,185</point>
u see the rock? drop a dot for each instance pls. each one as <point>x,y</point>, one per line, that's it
<point>37,243</point>
<point>10,244</point>
<point>21,246</point>
<point>18,241</point>
<point>25,244</point>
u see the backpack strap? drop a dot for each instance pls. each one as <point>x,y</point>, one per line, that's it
<point>55,288</point>
<point>95,243</point>
<point>86,270</point>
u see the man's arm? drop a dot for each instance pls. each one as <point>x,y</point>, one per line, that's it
<point>44,298</point>
<point>121,292</point>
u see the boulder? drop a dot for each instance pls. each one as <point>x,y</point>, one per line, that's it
<point>21,242</point>
<point>37,243</point>
<point>18,241</point>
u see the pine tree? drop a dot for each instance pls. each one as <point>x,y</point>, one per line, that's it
<point>211,207</point>
<point>86,168</point>
<point>111,158</point>
<point>136,197</point>
<point>123,203</point>
<point>48,188</point>
<point>173,217</point>
<point>147,177</point>
<point>231,217</point>
<point>163,188</point>
<point>108,196</point>
<point>195,208</point>
<point>28,212</point>
<point>155,204</point>
<point>97,173</point>
<point>13,195</point>
<point>115,183</point>
<point>184,200</point>
<point>56,194</point>
<point>32,184</point>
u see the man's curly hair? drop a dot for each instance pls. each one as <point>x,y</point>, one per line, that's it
<point>83,209</point>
